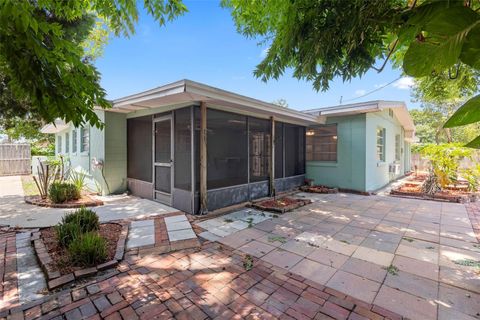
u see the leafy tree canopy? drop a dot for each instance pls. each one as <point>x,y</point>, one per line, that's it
<point>324,39</point>
<point>46,52</point>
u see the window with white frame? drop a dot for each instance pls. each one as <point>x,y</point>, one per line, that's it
<point>67,142</point>
<point>398,150</point>
<point>84,139</point>
<point>74,141</point>
<point>321,143</point>
<point>59,144</point>
<point>381,144</point>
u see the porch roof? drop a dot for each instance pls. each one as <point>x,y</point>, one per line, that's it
<point>398,107</point>
<point>187,91</point>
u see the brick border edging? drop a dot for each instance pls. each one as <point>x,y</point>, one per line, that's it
<point>33,200</point>
<point>55,279</point>
<point>473,197</point>
<point>293,206</point>
<point>316,189</point>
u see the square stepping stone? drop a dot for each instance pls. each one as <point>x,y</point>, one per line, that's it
<point>418,254</point>
<point>175,219</point>
<point>179,225</point>
<point>181,235</point>
<point>328,257</point>
<point>314,271</point>
<point>256,248</point>
<point>365,269</point>
<point>355,286</point>
<point>314,239</point>
<point>420,268</point>
<point>281,258</point>
<point>406,304</point>
<point>374,256</point>
<point>339,246</point>
<point>461,300</point>
<point>413,284</point>
<point>141,233</point>
<point>298,247</point>
<point>466,278</point>
<point>209,236</point>
<point>141,224</point>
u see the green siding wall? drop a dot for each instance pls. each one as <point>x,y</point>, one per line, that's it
<point>349,170</point>
<point>377,173</point>
<point>116,151</point>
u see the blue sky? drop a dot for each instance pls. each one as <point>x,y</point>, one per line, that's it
<point>203,46</point>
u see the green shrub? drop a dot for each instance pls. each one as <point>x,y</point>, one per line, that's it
<point>86,219</point>
<point>67,232</point>
<point>78,178</point>
<point>87,250</point>
<point>59,192</point>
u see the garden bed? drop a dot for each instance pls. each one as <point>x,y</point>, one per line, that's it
<point>280,205</point>
<point>84,201</point>
<point>413,188</point>
<point>318,189</point>
<point>59,269</point>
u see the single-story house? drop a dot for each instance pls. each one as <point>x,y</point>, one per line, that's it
<point>199,148</point>
<point>360,146</point>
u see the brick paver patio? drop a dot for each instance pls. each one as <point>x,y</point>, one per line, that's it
<point>342,257</point>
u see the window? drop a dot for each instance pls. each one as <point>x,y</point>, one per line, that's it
<point>322,143</point>
<point>74,141</point>
<point>84,139</point>
<point>380,144</point>
<point>67,142</point>
<point>398,150</point>
<point>259,149</point>
<point>294,150</point>
<point>59,144</point>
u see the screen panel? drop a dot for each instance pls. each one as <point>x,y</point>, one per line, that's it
<point>183,149</point>
<point>259,148</point>
<point>139,148</point>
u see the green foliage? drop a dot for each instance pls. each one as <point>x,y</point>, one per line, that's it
<point>59,192</point>
<point>248,262</point>
<point>67,232</point>
<point>319,40</point>
<point>86,219</point>
<point>472,175</point>
<point>78,178</point>
<point>88,249</point>
<point>46,52</point>
<point>37,149</point>
<point>445,160</point>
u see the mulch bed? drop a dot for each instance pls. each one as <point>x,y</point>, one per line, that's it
<point>318,189</point>
<point>413,188</point>
<point>84,201</point>
<point>58,268</point>
<point>280,205</point>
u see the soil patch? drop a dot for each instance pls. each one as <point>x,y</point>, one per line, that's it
<point>59,255</point>
<point>84,201</point>
<point>280,205</point>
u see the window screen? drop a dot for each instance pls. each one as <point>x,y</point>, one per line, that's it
<point>67,142</point>
<point>278,150</point>
<point>84,139</point>
<point>294,150</point>
<point>227,147</point>
<point>59,144</point>
<point>139,148</point>
<point>380,144</point>
<point>398,153</point>
<point>183,149</point>
<point>74,140</point>
<point>259,131</point>
<point>321,143</point>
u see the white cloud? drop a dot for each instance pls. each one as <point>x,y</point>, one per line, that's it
<point>264,53</point>
<point>360,92</point>
<point>404,83</point>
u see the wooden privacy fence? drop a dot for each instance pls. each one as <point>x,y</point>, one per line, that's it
<point>15,159</point>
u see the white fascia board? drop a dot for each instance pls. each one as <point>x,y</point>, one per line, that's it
<point>170,89</point>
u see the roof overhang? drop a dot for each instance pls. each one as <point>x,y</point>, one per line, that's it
<point>56,127</point>
<point>399,109</point>
<point>187,91</point>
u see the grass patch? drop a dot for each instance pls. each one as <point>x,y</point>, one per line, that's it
<point>248,262</point>
<point>345,241</point>
<point>408,239</point>
<point>228,220</point>
<point>29,186</point>
<point>467,263</point>
<point>250,222</point>
<point>392,270</point>
<point>277,238</point>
